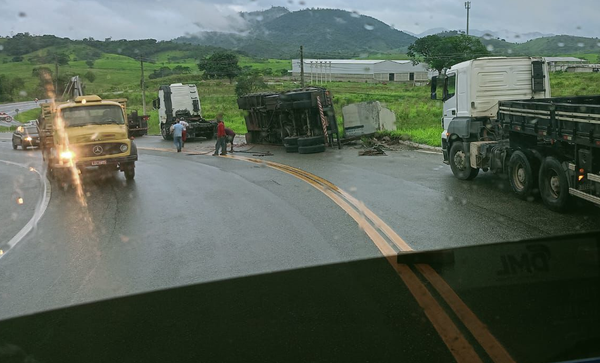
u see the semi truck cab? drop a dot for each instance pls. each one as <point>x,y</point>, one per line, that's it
<point>472,90</point>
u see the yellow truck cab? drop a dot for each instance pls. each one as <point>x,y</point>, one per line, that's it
<point>86,133</point>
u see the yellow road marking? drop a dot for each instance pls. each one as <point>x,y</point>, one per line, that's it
<point>447,330</point>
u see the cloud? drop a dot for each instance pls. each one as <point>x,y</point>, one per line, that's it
<point>99,19</point>
<point>167,19</point>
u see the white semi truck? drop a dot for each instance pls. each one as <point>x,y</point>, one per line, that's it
<point>177,101</point>
<point>499,116</point>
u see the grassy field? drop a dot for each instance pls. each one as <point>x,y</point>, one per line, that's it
<point>416,115</point>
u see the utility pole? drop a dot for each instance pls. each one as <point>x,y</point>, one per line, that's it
<point>301,67</point>
<point>468,7</point>
<point>143,85</point>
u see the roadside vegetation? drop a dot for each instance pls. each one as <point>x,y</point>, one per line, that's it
<point>118,76</point>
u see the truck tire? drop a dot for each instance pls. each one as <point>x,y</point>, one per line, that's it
<point>311,149</point>
<point>291,148</point>
<point>15,146</point>
<point>129,171</point>
<point>310,141</point>
<point>290,141</point>
<point>554,185</point>
<point>522,175</point>
<point>461,167</point>
<point>165,133</point>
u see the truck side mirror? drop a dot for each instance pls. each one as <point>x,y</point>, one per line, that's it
<point>156,103</point>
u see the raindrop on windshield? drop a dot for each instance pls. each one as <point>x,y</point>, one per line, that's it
<point>517,36</point>
<point>353,189</point>
<point>23,93</point>
<point>449,198</point>
<point>463,202</point>
<point>22,14</point>
<point>2,47</point>
<point>561,44</point>
<point>355,14</point>
<point>578,27</point>
<point>119,50</point>
<point>369,26</point>
<point>580,45</point>
<point>598,44</point>
<point>290,1</point>
<point>259,18</point>
<point>490,48</point>
<point>487,36</point>
<point>509,51</point>
<point>302,2</point>
<point>363,55</point>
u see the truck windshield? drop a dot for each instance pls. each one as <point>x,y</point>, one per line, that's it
<point>96,115</point>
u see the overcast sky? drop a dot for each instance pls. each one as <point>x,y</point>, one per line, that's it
<point>168,19</point>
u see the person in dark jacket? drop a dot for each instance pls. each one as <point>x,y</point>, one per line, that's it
<point>221,137</point>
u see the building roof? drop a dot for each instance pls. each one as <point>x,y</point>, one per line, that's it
<point>564,59</point>
<point>351,61</point>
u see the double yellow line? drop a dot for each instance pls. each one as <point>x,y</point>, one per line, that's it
<point>390,244</point>
<point>368,221</point>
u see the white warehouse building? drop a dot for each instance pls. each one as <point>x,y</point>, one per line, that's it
<point>326,70</point>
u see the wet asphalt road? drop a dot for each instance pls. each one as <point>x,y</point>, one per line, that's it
<point>188,219</point>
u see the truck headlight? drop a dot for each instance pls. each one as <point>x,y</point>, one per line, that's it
<point>66,155</point>
<point>28,138</point>
<point>124,148</point>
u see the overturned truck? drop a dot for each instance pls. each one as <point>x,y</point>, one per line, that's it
<point>303,120</point>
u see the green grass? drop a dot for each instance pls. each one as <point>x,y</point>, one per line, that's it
<point>28,115</point>
<point>416,115</point>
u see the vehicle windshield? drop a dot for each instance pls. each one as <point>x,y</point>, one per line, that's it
<point>92,115</point>
<point>300,180</point>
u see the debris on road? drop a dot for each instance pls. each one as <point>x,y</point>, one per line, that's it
<point>373,151</point>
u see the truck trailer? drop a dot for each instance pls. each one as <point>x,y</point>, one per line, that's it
<point>499,117</point>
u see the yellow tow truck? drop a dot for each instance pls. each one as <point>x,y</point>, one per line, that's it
<point>86,133</point>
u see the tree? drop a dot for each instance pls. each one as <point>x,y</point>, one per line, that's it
<point>90,76</point>
<point>443,52</point>
<point>249,81</point>
<point>220,65</point>
<point>90,63</point>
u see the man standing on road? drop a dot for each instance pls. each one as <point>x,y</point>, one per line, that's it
<point>221,137</point>
<point>177,131</point>
<point>230,137</point>
<point>184,132</point>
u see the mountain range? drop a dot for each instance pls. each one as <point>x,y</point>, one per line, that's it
<point>332,33</point>
<point>507,35</point>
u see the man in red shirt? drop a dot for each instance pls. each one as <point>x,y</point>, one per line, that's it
<point>221,137</point>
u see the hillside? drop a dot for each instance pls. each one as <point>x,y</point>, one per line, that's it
<point>323,32</point>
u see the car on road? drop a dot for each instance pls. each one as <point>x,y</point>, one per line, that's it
<point>25,136</point>
<point>5,117</point>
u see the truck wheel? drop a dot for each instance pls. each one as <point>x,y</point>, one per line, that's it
<point>521,175</point>
<point>554,185</point>
<point>291,149</point>
<point>290,141</point>
<point>15,146</point>
<point>310,141</point>
<point>129,172</point>
<point>460,165</point>
<point>165,133</point>
<point>311,149</point>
